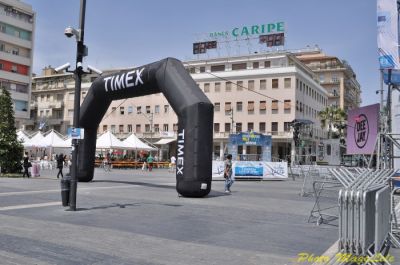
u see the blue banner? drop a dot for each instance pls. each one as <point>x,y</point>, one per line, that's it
<point>250,138</point>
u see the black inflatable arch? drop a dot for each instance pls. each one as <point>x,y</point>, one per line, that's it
<point>194,111</point>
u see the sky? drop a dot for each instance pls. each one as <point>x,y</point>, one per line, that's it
<point>127,33</point>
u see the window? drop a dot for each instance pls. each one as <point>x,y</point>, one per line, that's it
<point>218,68</point>
<point>104,128</point>
<point>250,126</point>
<point>156,127</point>
<point>321,78</point>
<point>139,110</point>
<point>130,109</point>
<point>47,113</point>
<point>263,84</point>
<point>263,107</point>
<point>175,127</point>
<point>286,126</point>
<point>250,84</point>
<point>262,127</point>
<point>217,106</point>
<point>121,128</point>
<point>267,64</point>
<point>275,83</point>
<point>287,82</point>
<point>227,127</point>
<point>21,105</point>
<point>138,128</point>
<point>157,109</point>
<point>238,127</point>
<point>166,108</point>
<point>335,78</point>
<point>129,128</point>
<point>70,96</point>
<point>228,107</point>
<point>274,106</point>
<point>165,127</point>
<point>60,97</point>
<point>15,51</point>
<point>239,85</point>
<point>250,106</point>
<point>121,110</point>
<point>217,87</point>
<point>113,128</point>
<point>256,65</point>
<point>239,66</point>
<point>274,128</point>
<point>202,69</point>
<point>239,106</point>
<point>148,111</point>
<point>287,105</point>
<point>206,87</point>
<point>228,86</point>
<point>14,68</point>
<point>216,127</point>
<point>328,149</point>
<point>147,128</point>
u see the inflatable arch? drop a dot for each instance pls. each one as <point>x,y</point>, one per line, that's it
<point>194,111</point>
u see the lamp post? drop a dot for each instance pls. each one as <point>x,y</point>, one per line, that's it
<point>81,51</point>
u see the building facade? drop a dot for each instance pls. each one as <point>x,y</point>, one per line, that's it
<point>17,31</point>
<point>336,76</point>
<point>263,93</point>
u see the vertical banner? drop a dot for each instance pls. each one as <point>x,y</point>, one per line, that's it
<point>362,129</point>
<point>388,34</point>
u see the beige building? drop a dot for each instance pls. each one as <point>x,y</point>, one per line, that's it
<point>17,28</point>
<point>260,92</point>
<point>336,76</point>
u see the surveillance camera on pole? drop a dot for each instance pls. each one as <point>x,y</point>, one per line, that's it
<point>70,31</point>
<point>94,69</point>
<point>62,67</point>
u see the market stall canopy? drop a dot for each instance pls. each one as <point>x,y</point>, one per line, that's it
<point>23,136</point>
<point>52,139</point>
<point>135,143</point>
<point>35,140</point>
<point>109,141</point>
<point>165,141</point>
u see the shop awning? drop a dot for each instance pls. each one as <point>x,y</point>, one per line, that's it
<point>165,141</point>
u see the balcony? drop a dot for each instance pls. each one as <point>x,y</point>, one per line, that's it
<point>56,105</point>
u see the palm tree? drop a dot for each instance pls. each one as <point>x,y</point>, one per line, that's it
<point>333,117</point>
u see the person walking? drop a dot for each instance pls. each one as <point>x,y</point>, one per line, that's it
<point>26,165</point>
<point>150,160</point>
<point>172,164</point>
<point>228,173</point>
<point>60,164</point>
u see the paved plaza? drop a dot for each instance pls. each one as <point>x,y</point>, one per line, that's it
<point>136,217</point>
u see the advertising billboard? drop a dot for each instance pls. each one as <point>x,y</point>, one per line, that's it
<point>362,129</point>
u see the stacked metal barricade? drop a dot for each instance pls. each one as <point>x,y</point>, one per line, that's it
<point>364,211</point>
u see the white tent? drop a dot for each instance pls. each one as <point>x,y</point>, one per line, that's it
<point>108,141</point>
<point>22,136</point>
<point>35,140</point>
<point>135,143</point>
<point>52,139</point>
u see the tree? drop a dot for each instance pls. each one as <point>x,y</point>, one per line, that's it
<point>333,117</point>
<point>11,150</point>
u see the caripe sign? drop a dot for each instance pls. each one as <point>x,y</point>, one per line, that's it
<point>246,31</point>
<point>362,129</point>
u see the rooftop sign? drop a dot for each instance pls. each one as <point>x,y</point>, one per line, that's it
<point>253,30</point>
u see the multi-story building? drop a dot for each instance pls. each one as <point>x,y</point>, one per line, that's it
<point>17,28</point>
<point>259,92</point>
<point>336,76</point>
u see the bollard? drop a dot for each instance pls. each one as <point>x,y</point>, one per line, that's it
<point>65,188</point>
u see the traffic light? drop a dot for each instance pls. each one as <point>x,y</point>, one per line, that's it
<point>296,134</point>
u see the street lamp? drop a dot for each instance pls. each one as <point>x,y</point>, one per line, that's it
<point>81,51</point>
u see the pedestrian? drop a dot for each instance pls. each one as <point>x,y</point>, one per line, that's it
<point>60,164</point>
<point>172,164</point>
<point>150,160</point>
<point>228,173</point>
<point>144,160</point>
<point>26,165</point>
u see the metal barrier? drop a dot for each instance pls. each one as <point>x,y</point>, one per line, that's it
<point>364,211</point>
